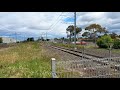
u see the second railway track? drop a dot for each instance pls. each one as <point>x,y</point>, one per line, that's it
<point>99,60</point>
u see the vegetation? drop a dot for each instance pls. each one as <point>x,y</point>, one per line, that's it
<point>71,45</point>
<point>104,41</point>
<point>25,60</point>
<point>1,40</point>
<point>116,44</point>
<point>86,34</point>
<point>70,31</point>
<point>30,39</point>
<point>63,45</point>
<point>94,29</point>
<point>113,35</point>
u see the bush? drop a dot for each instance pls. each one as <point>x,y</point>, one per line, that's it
<point>17,42</point>
<point>116,44</point>
<point>1,41</point>
<point>104,41</point>
<point>30,39</point>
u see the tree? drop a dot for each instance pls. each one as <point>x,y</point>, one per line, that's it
<point>70,31</point>
<point>48,40</point>
<point>113,35</point>
<point>116,44</point>
<point>55,38</point>
<point>1,40</point>
<point>62,39</point>
<point>102,30</point>
<point>104,41</point>
<point>94,29</point>
<point>86,34</point>
<point>78,30</point>
<point>42,39</point>
<point>30,39</point>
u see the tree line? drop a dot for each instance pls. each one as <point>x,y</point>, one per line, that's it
<point>99,35</point>
<point>92,32</point>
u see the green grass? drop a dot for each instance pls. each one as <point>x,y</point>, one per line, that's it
<point>116,51</point>
<point>27,69</point>
<point>72,45</point>
<point>64,45</point>
<point>26,60</point>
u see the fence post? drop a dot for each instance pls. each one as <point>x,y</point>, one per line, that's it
<point>110,48</point>
<point>82,52</point>
<point>53,66</point>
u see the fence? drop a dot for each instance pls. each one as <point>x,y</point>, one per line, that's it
<point>95,68</point>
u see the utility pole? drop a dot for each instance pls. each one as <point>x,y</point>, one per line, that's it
<point>75,30</point>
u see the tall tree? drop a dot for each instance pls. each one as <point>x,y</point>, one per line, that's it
<point>78,30</point>
<point>70,29</point>
<point>94,29</point>
<point>102,30</point>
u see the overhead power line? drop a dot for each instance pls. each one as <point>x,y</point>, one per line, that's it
<point>56,20</point>
<point>59,20</point>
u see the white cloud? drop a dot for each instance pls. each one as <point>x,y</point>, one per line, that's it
<point>35,23</point>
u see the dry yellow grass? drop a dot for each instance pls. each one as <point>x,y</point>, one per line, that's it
<point>25,60</point>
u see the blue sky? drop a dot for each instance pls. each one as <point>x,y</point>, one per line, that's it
<point>69,19</point>
<point>34,24</point>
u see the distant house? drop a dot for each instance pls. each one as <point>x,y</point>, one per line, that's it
<point>8,40</point>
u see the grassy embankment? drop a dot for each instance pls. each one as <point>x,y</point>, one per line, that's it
<point>26,60</point>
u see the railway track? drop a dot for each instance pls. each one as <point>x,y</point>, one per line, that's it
<point>75,52</point>
<point>99,60</point>
<point>79,51</point>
